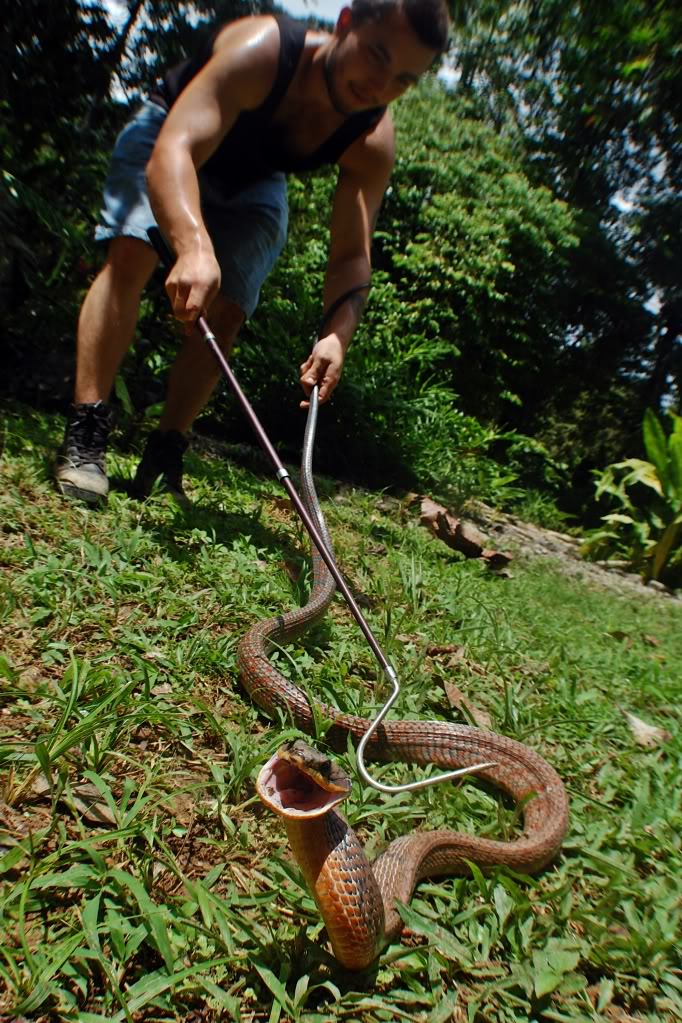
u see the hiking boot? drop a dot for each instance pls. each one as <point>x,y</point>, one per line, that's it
<point>80,469</point>
<point>162,458</point>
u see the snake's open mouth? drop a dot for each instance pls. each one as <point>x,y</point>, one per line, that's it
<point>290,792</point>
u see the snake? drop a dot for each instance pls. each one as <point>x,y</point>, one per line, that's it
<point>358,900</point>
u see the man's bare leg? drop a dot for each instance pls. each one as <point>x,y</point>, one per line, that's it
<point>108,318</point>
<point>195,371</point>
<point>193,378</point>
<point>106,328</point>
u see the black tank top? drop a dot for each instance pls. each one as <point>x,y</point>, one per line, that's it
<point>252,150</point>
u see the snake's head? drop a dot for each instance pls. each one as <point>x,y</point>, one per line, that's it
<point>298,781</point>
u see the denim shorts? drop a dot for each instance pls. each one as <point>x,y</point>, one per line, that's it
<point>248,229</point>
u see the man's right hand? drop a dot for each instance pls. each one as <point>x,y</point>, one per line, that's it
<point>192,284</point>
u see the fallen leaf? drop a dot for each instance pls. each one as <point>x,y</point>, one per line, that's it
<point>445,648</point>
<point>408,637</point>
<point>645,734</point>
<point>86,798</point>
<point>622,637</point>
<point>457,699</point>
<point>162,690</point>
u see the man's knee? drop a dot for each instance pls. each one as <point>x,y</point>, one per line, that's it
<point>131,261</point>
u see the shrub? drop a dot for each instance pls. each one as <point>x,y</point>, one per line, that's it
<point>647,528</point>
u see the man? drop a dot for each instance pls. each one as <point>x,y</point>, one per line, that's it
<point>264,97</point>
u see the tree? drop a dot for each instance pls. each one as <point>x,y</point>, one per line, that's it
<point>591,93</point>
<point>49,65</point>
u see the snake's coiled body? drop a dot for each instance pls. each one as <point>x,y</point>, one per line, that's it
<point>356,900</point>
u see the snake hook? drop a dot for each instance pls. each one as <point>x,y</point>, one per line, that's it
<point>411,786</point>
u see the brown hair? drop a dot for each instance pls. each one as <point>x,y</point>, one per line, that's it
<point>429,19</point>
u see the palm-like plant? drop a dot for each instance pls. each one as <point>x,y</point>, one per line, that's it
<point>648,525</point>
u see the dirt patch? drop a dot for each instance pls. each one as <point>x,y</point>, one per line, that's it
<point>530,542</point>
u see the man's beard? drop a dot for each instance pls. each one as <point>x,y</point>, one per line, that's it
<point>328,68</point>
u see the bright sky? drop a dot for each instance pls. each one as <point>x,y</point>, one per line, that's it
<point>327,9</point>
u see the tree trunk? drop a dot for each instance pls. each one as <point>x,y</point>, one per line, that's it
<point>112,61</point>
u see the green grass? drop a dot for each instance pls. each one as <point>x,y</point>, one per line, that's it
<point>140,879</point>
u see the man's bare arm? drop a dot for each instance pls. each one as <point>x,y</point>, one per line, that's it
<point>364,174</point>
<point>238,77</point>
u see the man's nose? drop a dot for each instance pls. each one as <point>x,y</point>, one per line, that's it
<point>379,82</point>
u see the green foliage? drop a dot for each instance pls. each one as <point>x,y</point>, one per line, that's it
<point>476,251</point>
<point>49,66</point>
<point>591,92</point>
<point>458,329</point>
<point>139,877</point>
<point>539,484</point>
<point>648,525</point>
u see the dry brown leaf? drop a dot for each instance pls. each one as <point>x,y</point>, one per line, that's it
<point>409,637</point>
<point>645,734</point>
<point>90,804</point>
<point>162,690</point>
<point>86,797</point>
<point>445,648</point>
<point>457,699</point>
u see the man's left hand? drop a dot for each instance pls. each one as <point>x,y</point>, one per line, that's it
<point>323,367</point>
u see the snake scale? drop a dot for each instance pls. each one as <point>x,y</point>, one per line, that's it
<point>356,899</point>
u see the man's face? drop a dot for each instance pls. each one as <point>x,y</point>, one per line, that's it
<point>373,63</point>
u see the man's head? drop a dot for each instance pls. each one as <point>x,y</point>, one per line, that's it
<point>429,19</point>
<point>380,48</point>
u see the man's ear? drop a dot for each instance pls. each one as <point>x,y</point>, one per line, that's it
<point>344,21</point>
